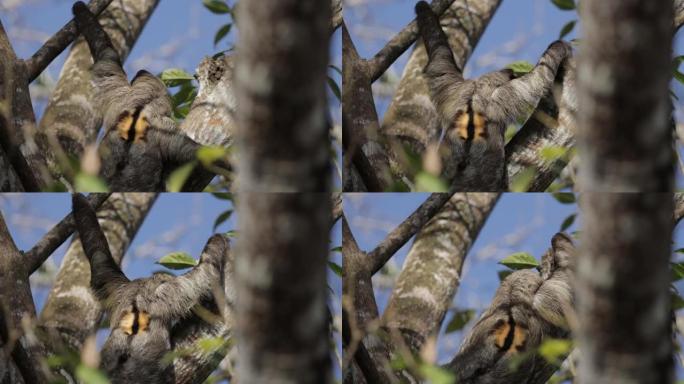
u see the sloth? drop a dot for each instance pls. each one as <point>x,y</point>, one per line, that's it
<point>147,315</point>
<point>142,144</point>
<point>528,307</point>
<point>474,113</point>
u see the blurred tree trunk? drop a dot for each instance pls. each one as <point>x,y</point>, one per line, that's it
<point>623,299</point>
<point>282,251</point>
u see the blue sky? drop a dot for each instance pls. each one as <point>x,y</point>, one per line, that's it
<point>519,223</point>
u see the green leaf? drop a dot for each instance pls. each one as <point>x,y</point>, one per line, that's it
<point>520,67</point>
<point>175,76</point>
<point>679,76</point>
<point>568,222</point>
<point>216,6</point>
<point>680,250</point>
<point>179,176</point>
<point>84,182</point>
<point>459,320</point>
<point>436,375</point>
<point>677,271</point>
<point>336,249</point>
<point>554,350</point>
<point>567,28</point>
<point>522,181</point>
<point>207,155</point>
<point>185,95</point>
<point>564,197</point>
<point>177,260</point>
<point>222,32</point>
<point>677,302</point>
<point>212,344</point>
<point>336,69</point>
<point>334,88</point>
<point>223,195</point>
<point>520,260</point>
<point>566,5</point>
<point>427,182</point>
<point>231,233</point>
<point>222,218</point>
<point>335,268</point>
<point>88,375</point>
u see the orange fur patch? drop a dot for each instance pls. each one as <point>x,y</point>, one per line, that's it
<point>461,125</point>
<point>124,124</point>
<point>503,332</point>
<point>141,126</point>
<point>480,126</point>
<point>500,334</point>
<point>129,321</point>
<point>126,323</point>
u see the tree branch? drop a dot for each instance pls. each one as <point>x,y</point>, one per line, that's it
<point>58,42</point>
<point>379,256</point>
<point>433,267</point>
<point>37,255</point>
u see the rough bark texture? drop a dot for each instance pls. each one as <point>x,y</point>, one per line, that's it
<point>432,269</point>
<point>17,122</point>
<point>71,312</point>
<point>411,119</point>
<point>282,323</point>
<point>71,117</point>
<point>281,79</point>
<point>17,315</point>
<point>363,349</point>
<point>623,299</point>
<point>624,71</point>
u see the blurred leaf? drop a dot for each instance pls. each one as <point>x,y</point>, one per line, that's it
<point>338,70</point>
<point>564,197</point>
<point>211,344</point>
<point>174,76</point>
<point>427,182</point>
<point>567,28</point>
<point>566,5</point>
<point>335,268</point>
<point>334,88</point>
<point>679,76</point>
<point>177,260</point>
<point>336,249</point>
<point>231,233</point>
<point>520,67</point>
<point>680,250</point>
<point>179,176</point>
<point>222,32</point>
<point>677,271</point>
<point>522,181</point>
<point>222,218</point>
<point>552,153</point>
<point>520,260</point>
<point>677,302</point>
<point>84,182</point>
<point>89,375</point>
<point>555,350</point>
<point>223,195</point>
<point>511,130</point>
<point>568,222</point>
<point>436,375</point>
<point>186,94</point>
<point>207,155</point>
<point>459,320</point>
<point>216,6</point>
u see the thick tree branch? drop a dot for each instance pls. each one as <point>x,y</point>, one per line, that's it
<point>58,42</point>
<point>18,311</point>
<point>37,255</point>
<point>432,269</point>
<point>360,312</point>
<point>379,256</point>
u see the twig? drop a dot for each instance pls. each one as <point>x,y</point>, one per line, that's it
<point>37,255</point>
<point>58,42</point>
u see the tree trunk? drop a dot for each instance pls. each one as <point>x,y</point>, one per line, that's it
<point>623,299</point>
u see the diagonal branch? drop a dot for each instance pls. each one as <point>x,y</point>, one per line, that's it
<point>58,42</point>
<point>379,256</point>
<point>37,255</point>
